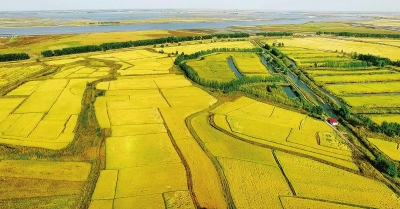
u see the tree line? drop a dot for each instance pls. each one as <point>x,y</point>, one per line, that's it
<point>376,60</point>
<point>274,34</point>
<point>127,44</point>
<point>360,35</point>
<point>336,64</point>
<point>13,57</point>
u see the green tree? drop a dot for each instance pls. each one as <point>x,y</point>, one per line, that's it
<point>344,111</point>
<point>386,166</point>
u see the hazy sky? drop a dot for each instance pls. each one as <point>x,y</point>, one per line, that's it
<point>308,5</point>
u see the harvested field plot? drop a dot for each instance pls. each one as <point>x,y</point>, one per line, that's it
<point>390,149</point>
<point>330,183</point>
<point>213,67</point>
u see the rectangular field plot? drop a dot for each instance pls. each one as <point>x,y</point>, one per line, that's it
<point>23,126</point>
<point>105,186</point>
<point>313,73</point>
<point>149,180</point>
<point>333,184</point>
<point>39,102</point>
<point>249,63</point>
<point>64,61</point>
<point>139,101</point>
<point>373,101</point>
<point>390,149</point>
<point>358,78</point>
<point>134,116</point>
<point>25,89</point>
<point>298,202</point>
<point>63,171</point>
<point>364,88</point>
<point>348,46</point>
<point>48,129</point>
<point>213,67</point>
<point>132,130</point>
<point>259,130</point>
<point>143,201</point>
<point>140,150</point>
<point>388,118</point>
<point>69,101</point>
<point>127,84</point>
<point>254,184</point>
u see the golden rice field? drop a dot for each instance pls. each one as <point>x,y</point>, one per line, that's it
<point>388,118</point>
<point>364,88</point>
<point>139,147</point>
<point>53,42</point>
<point>45,115</point>
<point>249,63</point>
<point>10,74</point>
<point>335,185</point>
<point>339,71</point>
<point>358,78</point>
<point>213,67</point>
<point>139,62</point>
<point>387,41</point>
<point>46,182</point>
<point>373,101</point>
<point>348,46</point>
<point>195,46</point>
<point>161,149</point>
<point>390,149</point>
<point>297,132</point>
<point>306,57</point>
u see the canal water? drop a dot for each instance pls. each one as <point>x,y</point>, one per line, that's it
<point>233,68</point>
<point>305,88</point>
<point>267,65</point>
<point>289,92</point>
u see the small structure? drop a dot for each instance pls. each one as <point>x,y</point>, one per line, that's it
<point>333,122</point>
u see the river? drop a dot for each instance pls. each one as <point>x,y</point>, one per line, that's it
<point>228,19</point>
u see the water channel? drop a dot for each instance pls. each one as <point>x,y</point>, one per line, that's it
<point>233,68</point>
<point>305,88</point>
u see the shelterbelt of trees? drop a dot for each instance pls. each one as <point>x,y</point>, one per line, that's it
<point>13,57</point>
<point>127,44</point>
<point>361,35</point>
<point>274,34</point>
